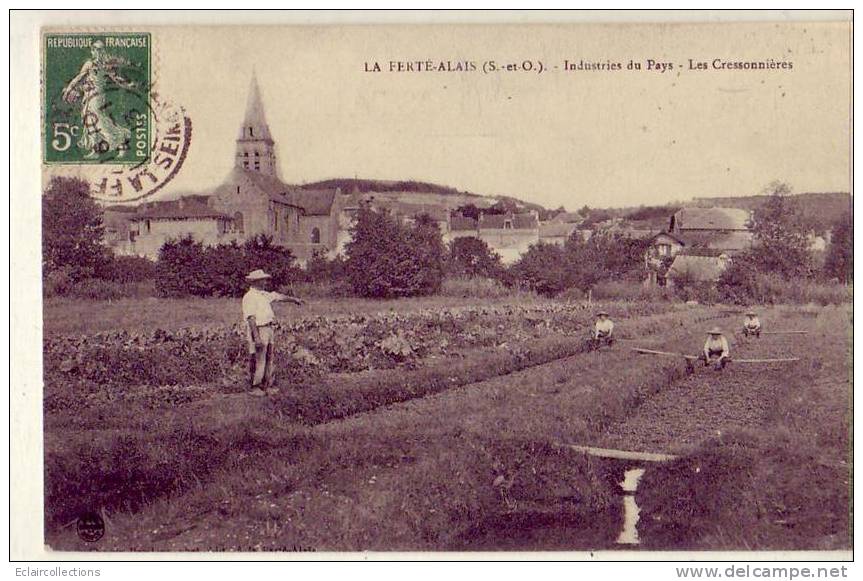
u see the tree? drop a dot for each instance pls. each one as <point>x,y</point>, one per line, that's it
<point>470,256</point>
<point>604,257</point>
<point>469,211</point>
<point>426,244</point>
<point>840,254</point>
<point>187,267</point>
<point>781,235</point>
<point>388,259</point>
<point>739,283</point>
<point>72,230</point>
<point>320,268</point>
<point>260,252</point>
<point>503,206</point>
<point>181,269</point>
<point>544,268</point>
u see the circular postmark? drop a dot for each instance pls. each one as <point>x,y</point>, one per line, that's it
<point>169,141</point>
<point>90,527</point>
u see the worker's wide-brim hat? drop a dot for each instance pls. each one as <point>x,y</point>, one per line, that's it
<point>257,275</point>
<point>602,313</point>
<point>715,331</point>
<point>750,313</point>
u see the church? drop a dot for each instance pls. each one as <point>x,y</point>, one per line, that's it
<point>251,200</point>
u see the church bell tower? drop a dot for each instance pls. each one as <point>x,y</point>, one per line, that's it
<point>255,147</point>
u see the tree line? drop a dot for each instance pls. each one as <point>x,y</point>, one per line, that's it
<point>388,257</point>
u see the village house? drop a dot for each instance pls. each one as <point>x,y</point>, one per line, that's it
<point>510,234</point>
<point>567,218</point>
<point>725,229</point>
<point>552,232</point>
<point>698,237</point>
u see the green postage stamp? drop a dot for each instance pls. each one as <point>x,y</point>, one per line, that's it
<point>96,90</point>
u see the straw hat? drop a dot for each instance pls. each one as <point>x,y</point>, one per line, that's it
<point>715,331</point>
<point>602,313</point>
<point>257,275</point>
<point>750,313</point>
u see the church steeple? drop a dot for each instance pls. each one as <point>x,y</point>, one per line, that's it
<point>255,146</point>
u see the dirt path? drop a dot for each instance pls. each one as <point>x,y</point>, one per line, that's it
<point>692,410</point>
<point>708,402</point>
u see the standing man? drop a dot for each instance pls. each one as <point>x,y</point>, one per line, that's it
<point>716,349</point>
<point>258,317</point>
<point>751,324</point>
<point>603,331</point>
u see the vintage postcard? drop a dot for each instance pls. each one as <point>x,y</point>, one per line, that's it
<point>515,290</point>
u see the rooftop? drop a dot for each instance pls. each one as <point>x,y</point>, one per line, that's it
<point>191,207</point>
<point>526,221</point>
<point>711,219</point>
<point>556,229</point>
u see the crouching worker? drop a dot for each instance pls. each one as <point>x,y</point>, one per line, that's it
<point>751,325</point>
<point>716,349</point>
<point>603,331</point>
<point>259,317</point>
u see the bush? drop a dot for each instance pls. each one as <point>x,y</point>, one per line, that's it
<point>180,269</point>
<point>839,263</point>
<point>57,282</point>
<point>186,267</point>
<point>260,252</point>
<point>126,269</point>
<point>320,269</point>
<point>543,268</point>
<point>469,256</point>
<point>387,259</point>
<point>742,284</point>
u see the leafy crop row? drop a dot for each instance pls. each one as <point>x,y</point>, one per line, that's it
<point>110,365</point>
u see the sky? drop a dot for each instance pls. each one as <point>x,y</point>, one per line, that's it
<point>573,138</point>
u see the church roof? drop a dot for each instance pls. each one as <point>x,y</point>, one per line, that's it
<point>314,202</point>
<point>255,122</point>
<point>182,208</point>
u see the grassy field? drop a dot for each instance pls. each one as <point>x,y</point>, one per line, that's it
<point>466,451</point>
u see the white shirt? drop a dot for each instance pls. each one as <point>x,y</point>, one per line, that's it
<point>604,326</point>
<point>716,344</point>
<point>752,323</point>
<point>257,303</point>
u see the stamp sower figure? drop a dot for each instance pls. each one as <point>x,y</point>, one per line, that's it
<point>751,324</point>
<point>716,349</point>
<point>258,316</point>
<point>98,76</point>
<point>603,330</point>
